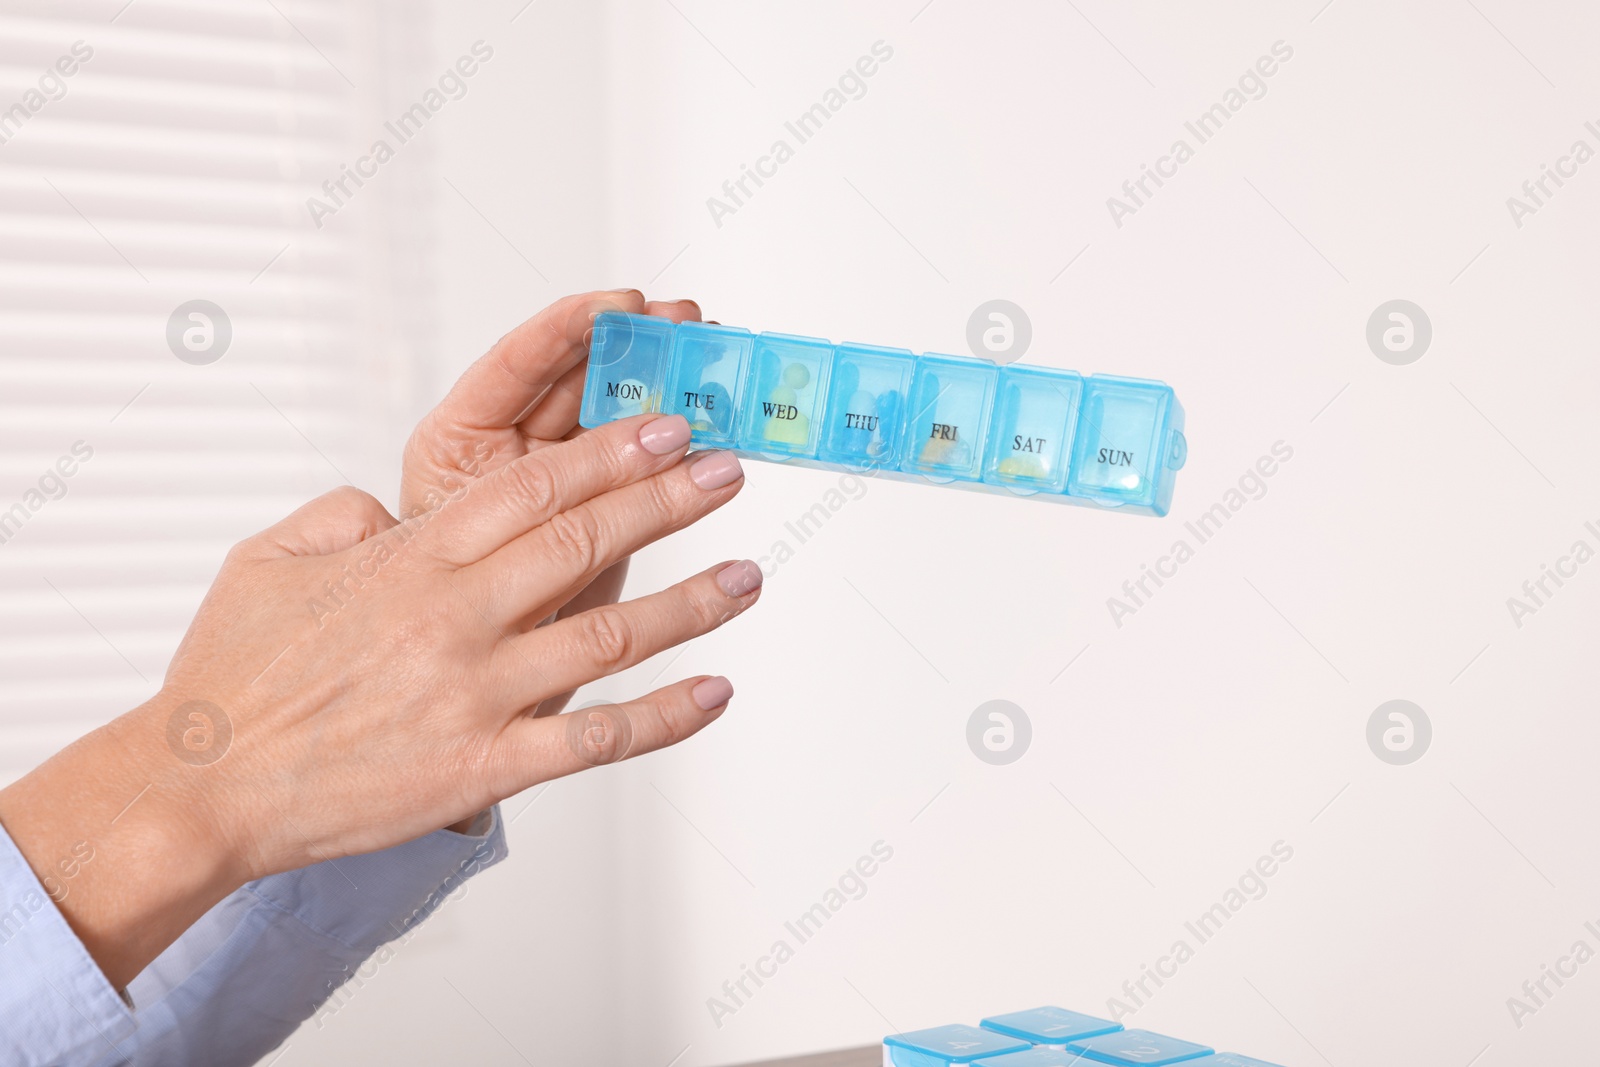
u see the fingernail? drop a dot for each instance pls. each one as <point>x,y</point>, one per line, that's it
<point>712,693</point>
<point>737,579</point>
<point>716,470</point>
<point>625,290</point>
<point>663,435</point>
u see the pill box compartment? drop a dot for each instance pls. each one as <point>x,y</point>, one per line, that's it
<point>1036,415</point>
<point>1129,444</point>
<point>948,420</point>
<point>788,383</point>
<point>942,1046</point>
<point>705,377</point>
<point>627,367</point>
<point>1050,1026</point>
<point>865,412</point>
<point>1138,1047</point>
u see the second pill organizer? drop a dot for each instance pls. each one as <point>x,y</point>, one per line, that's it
<point>1030,431</point>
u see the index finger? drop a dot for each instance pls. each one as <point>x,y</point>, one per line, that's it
<point>531,490</point>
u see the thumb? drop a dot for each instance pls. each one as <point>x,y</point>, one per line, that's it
<point>331,523</point>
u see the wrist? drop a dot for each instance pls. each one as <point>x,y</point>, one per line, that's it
<point>123,840</point>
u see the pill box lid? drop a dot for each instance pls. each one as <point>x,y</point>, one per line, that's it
<point>692,327</point>
<point>1143,1047</point>
<point>852,348</point>
<point>957,1043</point>
<point>1050,1025</point>
<point>792,338</point>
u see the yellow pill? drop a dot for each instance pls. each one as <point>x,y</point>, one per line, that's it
<point>944,453</point>
<point>1022,467</point>
<point>795,431</point>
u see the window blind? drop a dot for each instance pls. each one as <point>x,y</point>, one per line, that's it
<point>172,165</point>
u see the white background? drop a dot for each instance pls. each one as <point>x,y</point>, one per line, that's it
<point>1230,712</point>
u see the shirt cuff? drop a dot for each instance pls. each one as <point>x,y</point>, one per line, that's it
<point>364,901</point>
<point>242,978</point>
<point>55,1004</point>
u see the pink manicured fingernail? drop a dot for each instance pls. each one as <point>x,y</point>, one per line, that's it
<point>712,693</point>
<point>716,470</point>
<point>737,579</point>
<point>663,435</point>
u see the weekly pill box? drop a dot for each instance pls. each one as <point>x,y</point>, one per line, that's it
<point>1050,1037</point>
<point>1036,432</point>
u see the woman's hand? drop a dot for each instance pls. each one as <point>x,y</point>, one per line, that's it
<point>351,681</point>
<point>523,395</point>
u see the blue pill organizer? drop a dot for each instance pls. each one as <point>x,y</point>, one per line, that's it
<point>1098,441</point>
<point>1049,1037</point>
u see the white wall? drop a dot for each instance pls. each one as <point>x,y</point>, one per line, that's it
<point>1225,715</point>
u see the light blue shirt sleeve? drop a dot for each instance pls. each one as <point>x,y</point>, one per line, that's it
<point>242,978</point>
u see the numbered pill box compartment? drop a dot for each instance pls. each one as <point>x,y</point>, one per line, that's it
<point>1129,445</point>
<point>865,416</point>
<point>788,383</point>
<point>942,1046</point>
<point>1050,1026</point>
<point>1137,1048</point>
<point>1036,417</point>
<point>628,356</point>
<point>951,401</point>
<point>705,379</point>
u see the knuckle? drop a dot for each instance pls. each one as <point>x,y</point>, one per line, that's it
<point>608,637</point>
<point>357,503</point>
<point>240,551</point>
<point>575,538</point>
<point>712,611</point>
<point>352,497</point>
<point>534,484</point>
<point>671,727</point>
<point>663,499</point>
<point>620,456</point>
